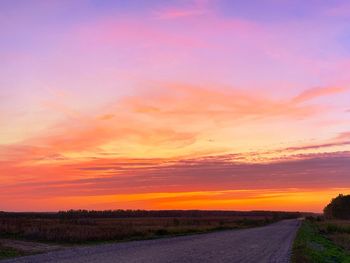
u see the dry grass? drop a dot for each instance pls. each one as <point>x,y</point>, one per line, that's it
<point>312,245</point>
<point>81,226</point>
<point>8,252</point>
<point>338,231</point>
<point>106,229</point>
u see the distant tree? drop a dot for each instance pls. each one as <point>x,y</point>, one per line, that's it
<point>338,208</point>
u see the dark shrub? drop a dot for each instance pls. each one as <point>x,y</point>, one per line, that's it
<point>338,208</point>
<point>162,232</point>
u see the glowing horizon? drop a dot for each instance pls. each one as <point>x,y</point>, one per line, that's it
<point>178,105</point>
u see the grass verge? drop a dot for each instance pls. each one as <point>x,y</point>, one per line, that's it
<point>311,246</point>
<point>7,252</point>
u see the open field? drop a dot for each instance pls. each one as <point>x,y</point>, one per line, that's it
<point>322,241</point>
<point>30,233</point>
<point>266,244</point>
<point>82,227</point>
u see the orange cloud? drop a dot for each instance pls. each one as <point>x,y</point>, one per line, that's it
<point>194,103</point>
<point>211,182</point>
<point>166,120</point>
<point>94,155</point>
<point>318,92</point>
<point>343,136</point>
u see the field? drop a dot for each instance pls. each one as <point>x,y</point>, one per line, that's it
<point>322,241</point>
<point>84,226</point>
<point>256,244</point>
<point>91,227</point>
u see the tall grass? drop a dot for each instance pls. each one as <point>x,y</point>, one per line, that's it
<point>7,252</point>
<point>79,230</point>
<point>338,231</point>
<point>322,242</point>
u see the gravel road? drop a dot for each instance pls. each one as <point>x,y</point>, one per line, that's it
<point>270,244</point>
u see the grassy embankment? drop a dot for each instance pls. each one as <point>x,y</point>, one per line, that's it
<point>321,241</point>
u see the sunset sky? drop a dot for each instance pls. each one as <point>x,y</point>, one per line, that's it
<point>222,104</point>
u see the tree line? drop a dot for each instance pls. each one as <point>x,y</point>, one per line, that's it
<point>120,213</point>
<point>338,208</point>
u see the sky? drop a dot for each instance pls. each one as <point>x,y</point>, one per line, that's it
<point>203,104</point>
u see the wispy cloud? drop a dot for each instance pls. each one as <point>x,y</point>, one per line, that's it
<point>214,93</point>
<point>167,121</point>
<point>318,146</point>
<point>343,136</point>
<point>192,9</point>
<point>178,13</point>
<point>339,10</point>
<point>221,177</point>
<point>185,101</point>
<point>318,92</point>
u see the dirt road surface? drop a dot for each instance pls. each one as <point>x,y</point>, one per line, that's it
<point>268,244</point>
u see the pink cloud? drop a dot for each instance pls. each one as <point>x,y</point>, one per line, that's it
<point>318,92</point>
<point>178,13</point>
<point>190,9</point>
<point>212,173</point>
<point>170,118</point>
<point>340,10</point>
